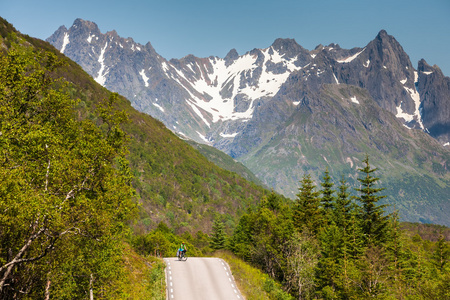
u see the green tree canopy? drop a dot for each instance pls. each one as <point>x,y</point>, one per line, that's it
<point>64,183</point>
<point>372,215</point>
<point>218,236</point>
<point>307,211</point>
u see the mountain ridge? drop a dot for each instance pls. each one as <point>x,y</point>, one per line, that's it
<point>270,103</point>
<point>174,182</point>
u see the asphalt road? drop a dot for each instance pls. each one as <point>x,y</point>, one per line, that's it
<point>200,278</point>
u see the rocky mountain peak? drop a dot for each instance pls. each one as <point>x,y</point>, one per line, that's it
<point>81,24</point>
<point>231,56</point>
<point>285,44</point>
<point>245,104</point>
<point>424,67</point>
<point>224,93</point>
<point>386,49</point>
<point>434,90</point>
<point>289,47</point>
<point>112,34</point>
<point>382,34</point>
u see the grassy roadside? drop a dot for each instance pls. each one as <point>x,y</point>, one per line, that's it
<point>145,277</point>
<point>252,282</point>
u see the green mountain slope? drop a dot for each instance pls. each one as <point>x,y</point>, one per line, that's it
<point>174,183</point>
<point>332,131</point>
<point>225,161</point>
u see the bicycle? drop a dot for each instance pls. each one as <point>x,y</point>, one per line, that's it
<point>182,256</point>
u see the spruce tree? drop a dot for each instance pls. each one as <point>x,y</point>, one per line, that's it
<point>218,236</point>
<point>441,254</point>
<point>307,211</point>
<point>372,215</point>
<point>342,205</point>
<point>327,200</point>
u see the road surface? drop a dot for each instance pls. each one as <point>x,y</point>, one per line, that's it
<point>200,278</point>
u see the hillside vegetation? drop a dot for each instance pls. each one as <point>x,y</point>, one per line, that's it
<point>86,166</point>
<point>93,193</point>
<point>335,243</point>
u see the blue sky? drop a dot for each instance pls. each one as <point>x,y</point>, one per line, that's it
<point>177,28</point>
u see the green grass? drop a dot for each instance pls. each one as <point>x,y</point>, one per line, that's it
<point>252,282</point>
<point>145,277</point>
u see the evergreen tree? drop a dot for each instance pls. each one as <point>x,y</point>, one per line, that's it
<point>441,254</point>
<point>327,200</point>
<point>330,266</point>
<point>273,201</point>
<point>374,221</point>
<point>398,256</point>
<point>342,205</point>
<point>307,212</point>
<point>218,236</point>
<point>355,246</point>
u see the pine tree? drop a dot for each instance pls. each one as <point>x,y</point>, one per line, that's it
<point>441,254</point>
<point>218,236</point>
<point>307,211</point>
<point>342,205</point>
<point>330,266</point>
<point>327,200</point>
<point>374,222</point>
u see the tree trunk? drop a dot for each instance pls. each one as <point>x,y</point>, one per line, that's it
<point>47,289</point>
<point>91,288</point>
<point>17,259</point>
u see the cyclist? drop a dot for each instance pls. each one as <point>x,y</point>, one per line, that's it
<point>182,249</point>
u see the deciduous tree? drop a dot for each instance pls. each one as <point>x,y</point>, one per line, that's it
<point>63,181</point>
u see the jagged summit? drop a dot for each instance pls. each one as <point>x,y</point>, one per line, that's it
<point>83,24</point>
<point>284,44</point>
<point>231,56</point>
<point>283,109</point>
<point>231,88</point>
<point>382,34</point>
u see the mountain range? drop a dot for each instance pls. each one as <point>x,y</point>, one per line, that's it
<point>284,111</point>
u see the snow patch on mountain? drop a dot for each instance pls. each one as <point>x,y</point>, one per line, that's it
<point>206,92</point>
<point>159,107</point>
<point>203,138</point>
<point>144,77</point>
<point>351,58</point>
<point>66,41</point>
<point>415,96</point>
<point>401,114</point>
<point>354,100</point>
<point>228,135</point>
<point>335,78</point>
<point>199,113</point>
<point>89,39</point>
<point>101,77</point>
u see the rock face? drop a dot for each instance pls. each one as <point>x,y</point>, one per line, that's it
<point>434,91</point>
<point>284,110</point>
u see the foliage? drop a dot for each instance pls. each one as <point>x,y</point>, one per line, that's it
<point>218,236</point>
<point>70,175</point>
<point>253,283</point>
<point>307,210</point>
<point>374,222</point>
<point>161,242</point>
<point>340,246</point>
<point>144,276</point>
